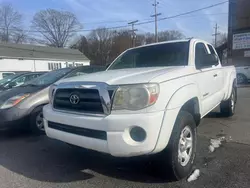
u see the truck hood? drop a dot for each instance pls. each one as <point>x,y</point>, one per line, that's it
<point>131,76</point>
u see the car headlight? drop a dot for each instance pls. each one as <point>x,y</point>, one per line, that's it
<point>52,89</point>
<point>135,97</point>
<point>13,101</point>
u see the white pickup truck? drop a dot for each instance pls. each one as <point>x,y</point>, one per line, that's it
<point>149,101</point>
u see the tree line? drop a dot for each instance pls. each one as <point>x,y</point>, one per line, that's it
<point>102,45</point>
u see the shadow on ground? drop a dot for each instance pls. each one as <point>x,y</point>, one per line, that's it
<point>43,159</point>
<point>214,115</point>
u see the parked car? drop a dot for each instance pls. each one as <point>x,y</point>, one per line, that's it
<point>18,79</point>
<point>243,74</point>
<point>149,101</point>
<point>5,74</point>
<point>24,104</point>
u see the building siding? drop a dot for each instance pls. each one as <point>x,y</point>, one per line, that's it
<point>14,65</point>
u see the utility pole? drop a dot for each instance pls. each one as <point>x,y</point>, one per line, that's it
<point>133,30</point>
<point>155,16</point>
<point>216,33</point>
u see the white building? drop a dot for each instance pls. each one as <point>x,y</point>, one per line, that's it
<point>24,57</point>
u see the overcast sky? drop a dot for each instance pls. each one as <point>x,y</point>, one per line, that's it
<point>118,12</point>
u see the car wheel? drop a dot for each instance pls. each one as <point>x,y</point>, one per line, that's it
<point>178,157</point>
<point>241,78</point>
<point>36,121</point>
<point>227,107</point>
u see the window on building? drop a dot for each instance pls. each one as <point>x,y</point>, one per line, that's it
<point>54,66</point>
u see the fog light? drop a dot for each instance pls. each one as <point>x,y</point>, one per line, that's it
<point>138,134</point>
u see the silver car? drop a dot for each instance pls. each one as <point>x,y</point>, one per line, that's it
<point>21,107</point>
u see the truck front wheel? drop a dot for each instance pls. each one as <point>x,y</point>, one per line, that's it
<point>179,155</point>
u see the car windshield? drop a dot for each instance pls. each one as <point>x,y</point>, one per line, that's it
<point>49,78</point>
<point>160,55</point>
<point>7,79</point>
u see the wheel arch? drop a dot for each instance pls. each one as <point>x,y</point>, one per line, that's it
<point>37,106</point>
<point>184,95</point>
<point>232,82</point>
<point>186,98</point>
<point>193,107</point>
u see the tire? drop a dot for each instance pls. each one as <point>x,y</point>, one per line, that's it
<point>241,78</point>
<point>36,121</point>
<point>227,108</point>
<point>183,140</point>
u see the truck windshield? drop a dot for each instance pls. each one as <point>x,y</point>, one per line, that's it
<point>159,55</point>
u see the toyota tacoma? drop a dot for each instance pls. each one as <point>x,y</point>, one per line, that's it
<point>149,101</point>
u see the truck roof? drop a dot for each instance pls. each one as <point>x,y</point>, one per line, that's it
<point>171,41</point>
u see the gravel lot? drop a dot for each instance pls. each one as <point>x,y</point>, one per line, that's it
<point>27,161</point>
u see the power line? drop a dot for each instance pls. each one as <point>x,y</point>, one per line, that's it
<point>141,23</point>
<point>216,33</point>
<point>116,21</point>
<point>34,32</point>
<point>156,3</point>
<point>185,13</point>
<point>133,34</point>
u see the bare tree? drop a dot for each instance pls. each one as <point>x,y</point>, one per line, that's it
<point>170,35</point>
<point>101,42</point>
<point>10,24</point>
<point>164,36</point>
<point>222,39</point>
<point>102,45</point>
<point>150,38</point>
<point>55,27</point>
<point>19,37</point>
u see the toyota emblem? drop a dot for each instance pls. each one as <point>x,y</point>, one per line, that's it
<point>74,99</point>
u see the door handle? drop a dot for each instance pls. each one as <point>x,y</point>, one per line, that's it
<point>215,75</point>
<point>205,94</point>
<point>246,68</point>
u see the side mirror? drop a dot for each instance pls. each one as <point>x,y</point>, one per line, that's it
<point>211,59</point>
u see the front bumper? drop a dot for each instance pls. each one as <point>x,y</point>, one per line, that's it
<point>116,128</point>
<point>13,118</point>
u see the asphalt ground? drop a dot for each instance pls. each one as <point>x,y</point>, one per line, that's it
<point>28,161</point>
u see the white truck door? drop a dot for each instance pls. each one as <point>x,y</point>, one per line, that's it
<point>206,78</point>
<point>218,75</point>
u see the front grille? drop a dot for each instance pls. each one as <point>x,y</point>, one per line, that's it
<point>89,100</point>
<point>102,135</point>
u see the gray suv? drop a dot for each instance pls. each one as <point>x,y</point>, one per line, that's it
<point>21,107</point>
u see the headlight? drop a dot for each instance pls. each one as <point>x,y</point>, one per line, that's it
<point>52,92</point>
<point>135,97</point>
<point>13,101</point>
